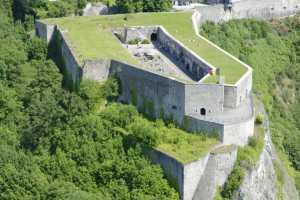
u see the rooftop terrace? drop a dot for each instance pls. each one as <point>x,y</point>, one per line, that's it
<point>92,38</point>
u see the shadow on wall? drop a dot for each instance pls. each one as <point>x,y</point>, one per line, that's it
<point>56,53</point>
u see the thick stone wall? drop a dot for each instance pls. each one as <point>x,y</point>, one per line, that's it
<point>192,64</point>
<point>141,32</point>
<point>73,69</point>
<point>198,179</point>
<point>238,133</point>
<point>97,70</point>
<point>209,97</point>
<point>192,174</point>
<point>267,9</point>
<point>173,169</point>
<point>234,95</point>
<point>197,125</point>
<point>44,31</point>
<point>151,92</point>
<point>217,169</point>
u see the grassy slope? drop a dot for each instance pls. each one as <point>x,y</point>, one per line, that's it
<point>91,38</point>
<point>183,146</point>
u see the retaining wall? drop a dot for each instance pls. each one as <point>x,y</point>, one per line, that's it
<point>97,70</point>
<point>198,179</point>
<point>146,89</point>
<point>238,133</point>
<point>217,169</point>
<point>73,69</point>
<point>243,9</point>
<point>204,96</point>
<point>44,31</point>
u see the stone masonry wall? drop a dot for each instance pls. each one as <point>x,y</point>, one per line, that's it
<point>172,168</point>
<point>44,31</point>
<point>217,169</point>
<point>141,32</point>
<point>192,64</point>
<point>200,178</point>
<point>266,9</point>
<point>192,174</point>
<point>197,125</point>
<point>204,96</point>
<point>74,71</point>
<point>151,92</point>
<point>97,70</point>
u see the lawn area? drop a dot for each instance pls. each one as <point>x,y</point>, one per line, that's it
<point>185,147</point>
<point>91,38</point>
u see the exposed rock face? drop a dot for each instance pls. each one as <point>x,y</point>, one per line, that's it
<point>260,183</point>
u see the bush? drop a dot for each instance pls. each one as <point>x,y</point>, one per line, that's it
<point>145,41</point>
<point>233,182</point>
<point>259,119</point>
<point>145,131</point>
<point>134,41</point>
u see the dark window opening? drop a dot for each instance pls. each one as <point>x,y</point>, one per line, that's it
<point>154,37</point>
<point>296,6</point>
<point>174,107</point>
<point>187,67</point>
<point>284,7</point>
<point>203,111</point>
<point>272,8</point>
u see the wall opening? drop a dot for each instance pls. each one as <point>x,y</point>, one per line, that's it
<point>153,37</point>
<point>203,111</point>
<point>187,66</point>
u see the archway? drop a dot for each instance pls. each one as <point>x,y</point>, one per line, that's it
<point>153,37</point>
<point>203,111</point>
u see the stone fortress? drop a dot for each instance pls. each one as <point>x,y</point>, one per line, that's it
<point>170,81</point>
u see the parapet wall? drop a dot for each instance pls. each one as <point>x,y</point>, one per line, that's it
<point>192,64</point>
<point>244,9</point>
<point>44,31</point>
<point>200,178</point>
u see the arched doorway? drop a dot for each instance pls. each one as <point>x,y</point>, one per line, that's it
<point>203,111</point>
<point>153,37</point>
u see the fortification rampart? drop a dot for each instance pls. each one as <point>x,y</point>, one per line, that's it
<point>153,94</point>
<point>199,178</point>
<point>191,63</point>
<point>244,9</point>
<point>44,31</point>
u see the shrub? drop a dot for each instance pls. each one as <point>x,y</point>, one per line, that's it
<point>259,119</point>
<point>134,41</point>
<point>233,182</point>
<point>145,41</point>
<point>144,131</point>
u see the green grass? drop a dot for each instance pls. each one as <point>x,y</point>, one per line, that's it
<point>91,38</point>
<point>185,147</point>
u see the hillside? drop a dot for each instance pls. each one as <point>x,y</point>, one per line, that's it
<point>272,49</point>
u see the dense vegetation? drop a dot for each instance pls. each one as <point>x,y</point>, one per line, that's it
<point>272,49</point>
<point>131,6</point>
<point>26,10</point>
<point>61,145</point>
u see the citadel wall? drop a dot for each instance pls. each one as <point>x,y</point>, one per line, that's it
<point>243,9</point>
<point>154,94</point>
<point>191,63</point>
<point>198,179</point>
<point>44,31</point>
